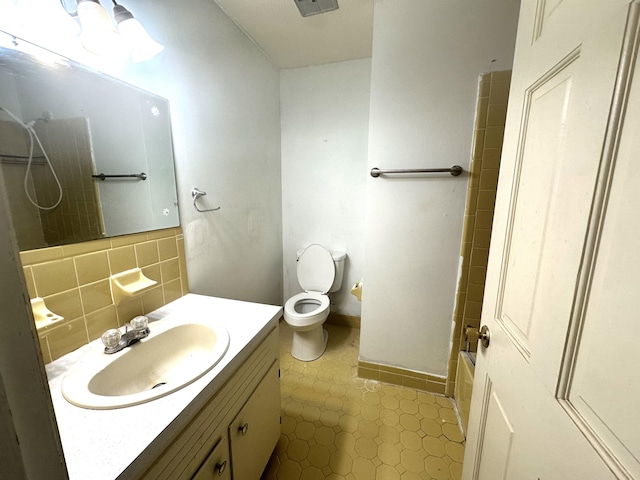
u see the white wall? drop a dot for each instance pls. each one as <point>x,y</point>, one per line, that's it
<point>325,118</point>
<point>427,55</point>
<point>224,97</point>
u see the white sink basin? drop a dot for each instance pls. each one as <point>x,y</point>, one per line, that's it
<point>172,356</point>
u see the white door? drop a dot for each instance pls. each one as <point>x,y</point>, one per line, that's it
<point>557,392</point>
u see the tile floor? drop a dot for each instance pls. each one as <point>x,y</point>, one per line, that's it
<point>338,426</point>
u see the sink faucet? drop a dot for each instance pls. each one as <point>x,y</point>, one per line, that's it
<point>114,341</point>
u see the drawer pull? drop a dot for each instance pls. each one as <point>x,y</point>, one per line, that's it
<point>221,467</point>
<point>243,429</point>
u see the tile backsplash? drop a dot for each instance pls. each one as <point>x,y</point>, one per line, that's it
<point>73,280</point>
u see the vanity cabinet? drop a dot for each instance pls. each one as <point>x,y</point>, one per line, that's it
<point>216,465</point>
<point>249,403</point>
<point>256,427</point>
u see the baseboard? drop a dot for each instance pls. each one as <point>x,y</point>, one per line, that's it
<point>402,377</point>
<point>350,321</point>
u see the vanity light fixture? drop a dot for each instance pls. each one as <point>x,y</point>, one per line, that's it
<point>141,46</point>
<point>100,36</point>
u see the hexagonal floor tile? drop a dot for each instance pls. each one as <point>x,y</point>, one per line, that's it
<point>337,426</point>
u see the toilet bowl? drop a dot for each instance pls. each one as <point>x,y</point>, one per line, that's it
<point>307,311</point>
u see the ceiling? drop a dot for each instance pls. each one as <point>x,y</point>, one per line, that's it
<point>292,40</point>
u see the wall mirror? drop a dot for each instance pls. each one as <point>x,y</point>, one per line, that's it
<point>62,125</point>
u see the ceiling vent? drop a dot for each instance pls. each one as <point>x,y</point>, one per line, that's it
<point>313,7</point>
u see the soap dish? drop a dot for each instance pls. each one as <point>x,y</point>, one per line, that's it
<point>129,284</point>
<point>44,317</point>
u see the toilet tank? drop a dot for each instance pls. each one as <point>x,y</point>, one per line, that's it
<point>338,260</point>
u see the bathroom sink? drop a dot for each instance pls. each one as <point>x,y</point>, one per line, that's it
<point>171,357</point>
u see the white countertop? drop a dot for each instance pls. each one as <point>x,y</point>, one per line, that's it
<point>103,444</point>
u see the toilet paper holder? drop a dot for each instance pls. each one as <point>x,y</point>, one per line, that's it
<point>356,290</point>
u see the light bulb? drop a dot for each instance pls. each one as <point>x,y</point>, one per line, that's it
<point>99,35</point>
<point>141,46</point>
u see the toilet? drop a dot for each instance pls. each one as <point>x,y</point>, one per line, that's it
<point>319,272</point>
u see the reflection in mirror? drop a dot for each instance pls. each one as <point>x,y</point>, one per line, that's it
<point>61,125</point>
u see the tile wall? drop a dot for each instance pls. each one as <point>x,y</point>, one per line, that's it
<point>481,196</point>
<point>73,280</point>
<point>67,143</point>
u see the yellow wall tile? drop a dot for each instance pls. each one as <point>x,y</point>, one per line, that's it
<point>100,321</point>
<point>172,290</point>
<point>472,309</point>
<point>170,270</point>
<point>122,259</point>
<point>484,219</point>
<point>486,199</point>
<point>475,292</point>
<point>67,338</point>
<point>41,255</point>
<point>86,247</point>
<point>153,299</point>
<point>482,237</point>
<point>478,146</point>
<point>153,272</point>
<point>478,215</point>
<point>412,382</point>
<point>503,77</point>
<point>499,92</point>
<point>485,85</point>
<point>67,304</point>
<point>54,277</point>
<point>497,115</point>
<point>147,253</point>
<point>479,257</point>
<point>92,267</point>
<point>489,179</point>
<point>494,137</point>
<point>481,114</point>
<point>369,365</point>
<point>477,275</point>
<point>129,309</point>
<point>167,248</point>
<point>491,157</point>
<point>128,240</point>
<point>96,296</point>
<point>44,349</point>
<point>434,387</point>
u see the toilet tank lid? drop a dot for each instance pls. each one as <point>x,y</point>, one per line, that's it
<point>337,256</point>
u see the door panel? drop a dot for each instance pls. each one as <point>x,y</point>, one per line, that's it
<point>497,441</point>
<point>604,390</point>
<point>534,216</point>
<point>538,408</point>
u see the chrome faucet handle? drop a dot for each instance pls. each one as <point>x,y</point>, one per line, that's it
<point>111,338</point>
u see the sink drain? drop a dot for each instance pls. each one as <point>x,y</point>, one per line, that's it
<point>158,385</point>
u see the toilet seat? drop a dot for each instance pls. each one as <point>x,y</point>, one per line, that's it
<point>316,270</point>
<point>295,318</point>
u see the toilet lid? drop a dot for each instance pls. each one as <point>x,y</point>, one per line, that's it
<point>316,269</point>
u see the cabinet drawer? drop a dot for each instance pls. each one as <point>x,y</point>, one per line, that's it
<point>254,432</point>
<point>216,466</point>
